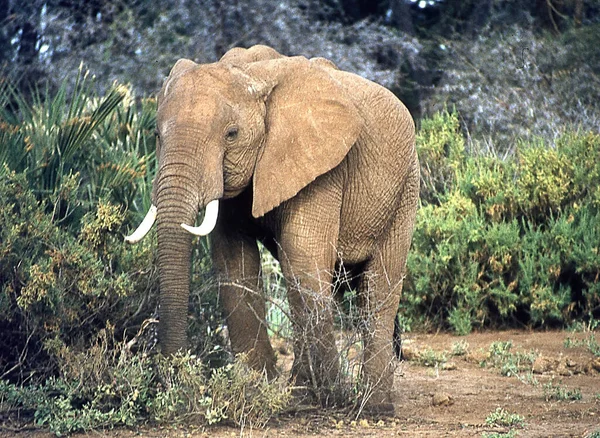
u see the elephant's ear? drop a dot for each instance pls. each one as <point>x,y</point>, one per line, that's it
<point>311,125</point>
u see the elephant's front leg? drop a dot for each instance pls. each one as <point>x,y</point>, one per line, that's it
<point>307,255</point>
<point>237,262</point>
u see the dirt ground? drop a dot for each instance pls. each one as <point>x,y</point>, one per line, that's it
<point>451,399</point>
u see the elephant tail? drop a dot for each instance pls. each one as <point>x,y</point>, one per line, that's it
<point>397,338</point>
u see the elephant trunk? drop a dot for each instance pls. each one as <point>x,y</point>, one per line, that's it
<point>177,197</point>
<point>174,260</point>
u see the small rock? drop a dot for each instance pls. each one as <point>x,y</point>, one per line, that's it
<point>410,352</point>
<point>563,370</point>
<point>442,399</point>
<point>543,365</point>
<point>449,366</point>
<point>596,364</point>
<point>476,357</point>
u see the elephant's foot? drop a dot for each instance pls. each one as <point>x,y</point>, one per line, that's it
<point>324,397</point>
<point>380,403</point>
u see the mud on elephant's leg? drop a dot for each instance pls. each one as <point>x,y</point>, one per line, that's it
<point>237,262</point>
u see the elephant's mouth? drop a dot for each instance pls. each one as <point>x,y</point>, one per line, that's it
<point>208,224</point>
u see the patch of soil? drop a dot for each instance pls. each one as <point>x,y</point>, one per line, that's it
<point>450,400</point>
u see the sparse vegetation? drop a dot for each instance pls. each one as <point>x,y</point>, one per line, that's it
<point>511,364</point>
<point>460,348</point>
<point>501,417</point>
<point>96,391</point>
<point>432,358</point>
<point>589,342</point>
<point>557,392</point>
<point>510,434</point>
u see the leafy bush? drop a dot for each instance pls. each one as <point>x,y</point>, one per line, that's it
<point>73,172</point>
<point>501,417</point>
<point>107,386</point>
<point>58,286</point>
<point>504,241</point>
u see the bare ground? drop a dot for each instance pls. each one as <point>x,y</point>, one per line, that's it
<point>451,400</point>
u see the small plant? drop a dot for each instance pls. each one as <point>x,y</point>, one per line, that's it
<point>432,358</point>
<point>528,378</point>
<point>102,389</point>
<point>510,364</point>
<point>501,417</point>
<point>590,343</point>
<point>460,348</point>
<point>510,434</point>
<point>582,326</point>
<point>594,434</point>
<point>558,392</point>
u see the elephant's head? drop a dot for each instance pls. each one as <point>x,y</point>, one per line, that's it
<point>276,123</point>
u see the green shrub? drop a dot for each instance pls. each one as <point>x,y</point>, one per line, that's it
<point>557,392</point>
<point>504,241</point>
<point>441,148</point>
<point>75,176</point>
<point>61,285</point>
<point>108,386</point>
<point>501,417</point>
<point>511,364</point>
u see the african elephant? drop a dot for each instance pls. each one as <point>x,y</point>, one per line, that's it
<point>319,165</point>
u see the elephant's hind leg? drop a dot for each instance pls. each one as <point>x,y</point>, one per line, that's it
<point>237,262</point>
<point>379,297</point>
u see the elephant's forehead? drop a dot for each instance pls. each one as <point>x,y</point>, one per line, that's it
<point>191,106</point>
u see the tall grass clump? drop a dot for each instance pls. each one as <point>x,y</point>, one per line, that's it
<point>504,241</point>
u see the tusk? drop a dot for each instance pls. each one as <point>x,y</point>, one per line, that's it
<point>210,220</point>
<point>144,227</point>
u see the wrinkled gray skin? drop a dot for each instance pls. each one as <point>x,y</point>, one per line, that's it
<point>317,163</point>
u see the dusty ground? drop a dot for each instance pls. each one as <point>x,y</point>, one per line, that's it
<point>451,400</point>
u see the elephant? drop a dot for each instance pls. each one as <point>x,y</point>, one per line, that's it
<point>316,163</point>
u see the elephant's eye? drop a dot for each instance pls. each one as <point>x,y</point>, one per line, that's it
<point>231,134</point>
<point>157,133</point>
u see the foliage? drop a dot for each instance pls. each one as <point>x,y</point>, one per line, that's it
<point>501,417</point>
<point>501,241</point>
<point>431,358</point>
<point>460,348</point>
<point>589,342</point>
<point>558,392</point>
<point>75,174</point>
<point>510,434</point>
<point>73,168</point>
<point>510,364</point>
<point>107,386</point>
